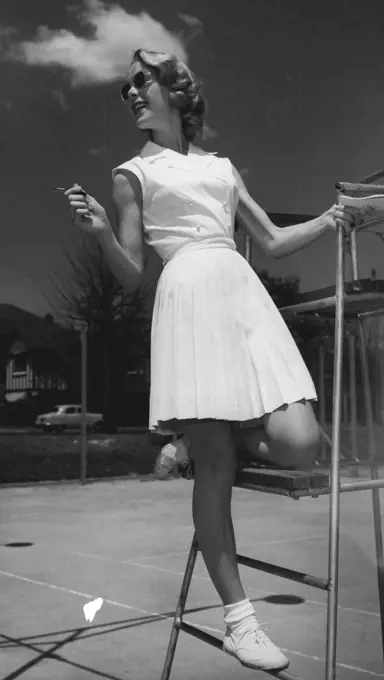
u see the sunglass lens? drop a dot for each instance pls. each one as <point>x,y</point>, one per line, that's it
<point>139,80</point>
<point>125,91</point>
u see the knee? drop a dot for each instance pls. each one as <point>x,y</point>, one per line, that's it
<point>302,453</point>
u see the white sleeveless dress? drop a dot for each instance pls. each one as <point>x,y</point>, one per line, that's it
<point>220,348</point>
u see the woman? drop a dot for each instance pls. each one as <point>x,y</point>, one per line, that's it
<point>221,354</point>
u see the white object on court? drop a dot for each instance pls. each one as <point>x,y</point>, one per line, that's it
<point>91,608</point>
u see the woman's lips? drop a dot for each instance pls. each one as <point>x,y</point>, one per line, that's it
<point>138,108</point>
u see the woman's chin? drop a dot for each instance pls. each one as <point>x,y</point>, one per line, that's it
<point>143,124</point>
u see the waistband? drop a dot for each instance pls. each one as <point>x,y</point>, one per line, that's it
<point>206,244</point>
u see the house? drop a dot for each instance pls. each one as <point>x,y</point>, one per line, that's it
<point>33,353</point>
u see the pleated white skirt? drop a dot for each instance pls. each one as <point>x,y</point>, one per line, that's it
<point>220,348</point>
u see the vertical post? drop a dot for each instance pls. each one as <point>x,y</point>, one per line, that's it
<point>84,437</point>
<point>187,578</point>
<point>353,398</point>
<point>334,515</point>
<point>354,259</point>
<point>322,410</point>
<point>345,409</point>
<point>378,531</point>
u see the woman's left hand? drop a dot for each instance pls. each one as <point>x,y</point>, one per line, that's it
<point>348,217</point>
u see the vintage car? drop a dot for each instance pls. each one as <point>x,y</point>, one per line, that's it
<point>68,417</point>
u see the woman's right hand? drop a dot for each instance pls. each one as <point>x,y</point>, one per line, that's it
<point>86,212</point>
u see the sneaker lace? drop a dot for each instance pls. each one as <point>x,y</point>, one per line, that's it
<point>259,633</point>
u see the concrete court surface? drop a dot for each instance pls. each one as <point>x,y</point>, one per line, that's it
<point>126,541</point>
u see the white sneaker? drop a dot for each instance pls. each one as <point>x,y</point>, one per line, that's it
<point>171,456</point>
<point>253,648</point>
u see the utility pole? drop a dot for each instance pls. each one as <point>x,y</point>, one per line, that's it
<point>82,327</point>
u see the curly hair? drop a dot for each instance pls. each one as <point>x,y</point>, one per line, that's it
<point>183,86</point>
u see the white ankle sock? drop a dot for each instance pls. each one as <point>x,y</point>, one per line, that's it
<point>239,615</point>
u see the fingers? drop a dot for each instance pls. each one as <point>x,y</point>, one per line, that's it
<point>79,209</point>
<point>82,211</point>
<point>78,201</point>
<point>75,189</point>
<point>347,216</point>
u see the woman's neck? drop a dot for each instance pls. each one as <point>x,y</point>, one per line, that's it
<point>170,140</point>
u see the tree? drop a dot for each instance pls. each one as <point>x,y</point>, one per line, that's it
<point>117,320</point>
<point>285,291</point>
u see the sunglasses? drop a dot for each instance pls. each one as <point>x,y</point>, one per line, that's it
<point>140,80</point>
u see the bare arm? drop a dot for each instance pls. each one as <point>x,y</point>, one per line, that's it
<point>277,241</point>
<point>124,254</point>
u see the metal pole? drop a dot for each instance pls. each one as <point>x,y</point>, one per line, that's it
<point>378,531</point>
<point>353,399</point>
<point>334,515</point>
<point>354,259</point>
<point>322,411</point>
<point>84,437</point>
<point>179,613</point>
<point>362,188</point>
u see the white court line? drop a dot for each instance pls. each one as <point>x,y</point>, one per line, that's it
<point>206,578</point>
<point>163,616</point>
<point>44,584</point>
<point>279,540</point>
<point>158,555</point>
<point>138,564</point>
<point>289,540</point>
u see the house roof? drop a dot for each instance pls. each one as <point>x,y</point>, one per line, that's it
<point>36,332</point>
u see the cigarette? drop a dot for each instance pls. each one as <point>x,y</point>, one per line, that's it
<point>63,189</point>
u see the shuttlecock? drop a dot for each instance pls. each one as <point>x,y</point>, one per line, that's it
<point>91,608</point>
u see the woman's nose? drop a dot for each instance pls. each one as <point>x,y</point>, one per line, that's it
<point>133,93</point>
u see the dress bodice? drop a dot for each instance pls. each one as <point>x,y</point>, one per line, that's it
<point>187,199</point>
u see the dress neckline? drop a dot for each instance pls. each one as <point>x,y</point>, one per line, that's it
<point>155,150</point>
<point>153,147</point>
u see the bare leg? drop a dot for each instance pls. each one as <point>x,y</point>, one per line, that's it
<point>289,437</point>
<point>213,453</point>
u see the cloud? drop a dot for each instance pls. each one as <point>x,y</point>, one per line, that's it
<point>195,28</point>
<point>103,51</point>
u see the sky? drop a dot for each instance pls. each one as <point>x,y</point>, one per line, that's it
<point>295,96</point>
